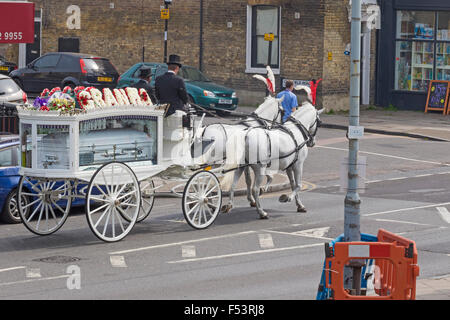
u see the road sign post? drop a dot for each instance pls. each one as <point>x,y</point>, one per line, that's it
<point>165,15</point>
<point>352,201</point>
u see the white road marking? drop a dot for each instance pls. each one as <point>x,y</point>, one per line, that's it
<point>298,234</point>
<point>265,241</point>
<point>425,190</point>
<point>118,261</point>
<point>314,233</point>
<point>33,280</point>
<point>406,209</point>
<point>33,273</point>
<point>444,214</point>
<point>182,242</point>
<point>388,156</point>
<point>405,222</point>
<point>12,268</point>
<point>247,253</point>
<point>188,252</point>
<point>399,178</point>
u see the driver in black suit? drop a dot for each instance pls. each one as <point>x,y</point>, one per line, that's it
<point>145,76</point>
<point>170,88</point>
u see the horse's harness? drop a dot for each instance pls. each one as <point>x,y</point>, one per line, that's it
<point>307,137</point>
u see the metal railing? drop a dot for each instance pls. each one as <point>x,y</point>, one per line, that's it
<point>9,122</point>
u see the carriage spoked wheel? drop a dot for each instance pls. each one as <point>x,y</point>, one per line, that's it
<point>48,204</point>
<point>147,198</point>
<point>202,199</point>
<point>147,187</point>
<point>113,201</point>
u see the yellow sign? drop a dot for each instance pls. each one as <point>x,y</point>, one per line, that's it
<point>269,36</point>
<point>165,14</point>
<point>330,56</point>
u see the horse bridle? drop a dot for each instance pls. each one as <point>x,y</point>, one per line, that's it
<point>264,122</point>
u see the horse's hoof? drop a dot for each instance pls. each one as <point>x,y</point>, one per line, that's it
<point>301,209</point>
<point>283,198</point>
<point>226,208</point>
<point>263,216</point>
<point>253,204</point>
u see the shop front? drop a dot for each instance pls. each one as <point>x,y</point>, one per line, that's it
<point>413,49</point>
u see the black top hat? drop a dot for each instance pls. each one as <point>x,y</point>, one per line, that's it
<point>175,59</point>
<point>145,71</point>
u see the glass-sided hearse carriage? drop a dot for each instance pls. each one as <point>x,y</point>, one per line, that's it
<point>109,157</point>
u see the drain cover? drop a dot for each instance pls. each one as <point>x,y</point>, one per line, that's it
<point>58,259</point>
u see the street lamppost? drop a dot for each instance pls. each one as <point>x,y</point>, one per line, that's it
<point>165,16</point>
<point>352,200</point>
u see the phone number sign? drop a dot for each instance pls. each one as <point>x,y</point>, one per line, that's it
<point>16,22</point>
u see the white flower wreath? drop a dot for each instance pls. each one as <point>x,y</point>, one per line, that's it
<point>109,98</point>
<point>133,96</point>
<point>97,97</point>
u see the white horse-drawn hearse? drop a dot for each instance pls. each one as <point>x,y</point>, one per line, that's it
<point>110,157</point>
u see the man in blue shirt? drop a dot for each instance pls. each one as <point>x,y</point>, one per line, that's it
<point>289,102</point>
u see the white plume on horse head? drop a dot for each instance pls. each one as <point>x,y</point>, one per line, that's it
<point>271,77</point>
<point>269,81</point>
<point>306,89</point>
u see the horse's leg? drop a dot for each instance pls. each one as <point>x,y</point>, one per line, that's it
<point>290,174</point>
<point>268,183</point>
<point>298,173</point>
<point>248,181</point>
<point>256,191</point>
<point>237,174</point>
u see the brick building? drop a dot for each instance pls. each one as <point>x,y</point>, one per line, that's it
<point>224,38</point>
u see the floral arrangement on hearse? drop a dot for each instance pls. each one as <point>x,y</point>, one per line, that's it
<point>90,98</point>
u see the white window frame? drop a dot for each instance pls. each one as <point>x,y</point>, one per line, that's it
<point>248,62</point>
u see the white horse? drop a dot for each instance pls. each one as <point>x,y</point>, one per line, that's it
<point>270,112</point>
<point>283,149</point>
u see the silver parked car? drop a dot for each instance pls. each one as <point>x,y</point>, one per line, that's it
<point>10,91</point>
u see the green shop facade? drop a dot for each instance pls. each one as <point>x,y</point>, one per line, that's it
<point>413,48</point>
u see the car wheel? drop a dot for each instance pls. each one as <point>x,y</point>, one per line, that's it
<point>11,210</point>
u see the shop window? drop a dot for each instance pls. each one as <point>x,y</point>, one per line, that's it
<point>422,49</point>
<point>262,19</point>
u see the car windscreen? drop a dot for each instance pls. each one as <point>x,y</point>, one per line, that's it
<point>192,74</point>
<point>8,86</point>
<point>99,65</point>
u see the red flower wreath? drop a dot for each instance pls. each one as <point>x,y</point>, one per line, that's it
<point>45,92</point>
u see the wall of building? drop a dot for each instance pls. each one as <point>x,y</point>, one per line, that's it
<point>121,32</point>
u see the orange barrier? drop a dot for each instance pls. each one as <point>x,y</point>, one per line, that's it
<point>394,257</point>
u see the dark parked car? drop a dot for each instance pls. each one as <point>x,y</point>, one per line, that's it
<point>5,66</point>
<point>66,69</point>
<point>200,89</point>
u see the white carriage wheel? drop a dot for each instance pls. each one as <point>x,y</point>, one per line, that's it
<point>113,193</point>
<point>48,204</point>
<point>147,198</point>
<point>147,187</point>
<point>202,199</point>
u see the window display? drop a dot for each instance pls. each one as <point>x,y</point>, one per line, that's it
<point>419,56</point>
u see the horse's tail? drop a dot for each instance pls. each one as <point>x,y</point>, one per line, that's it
<point>235,157</point>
